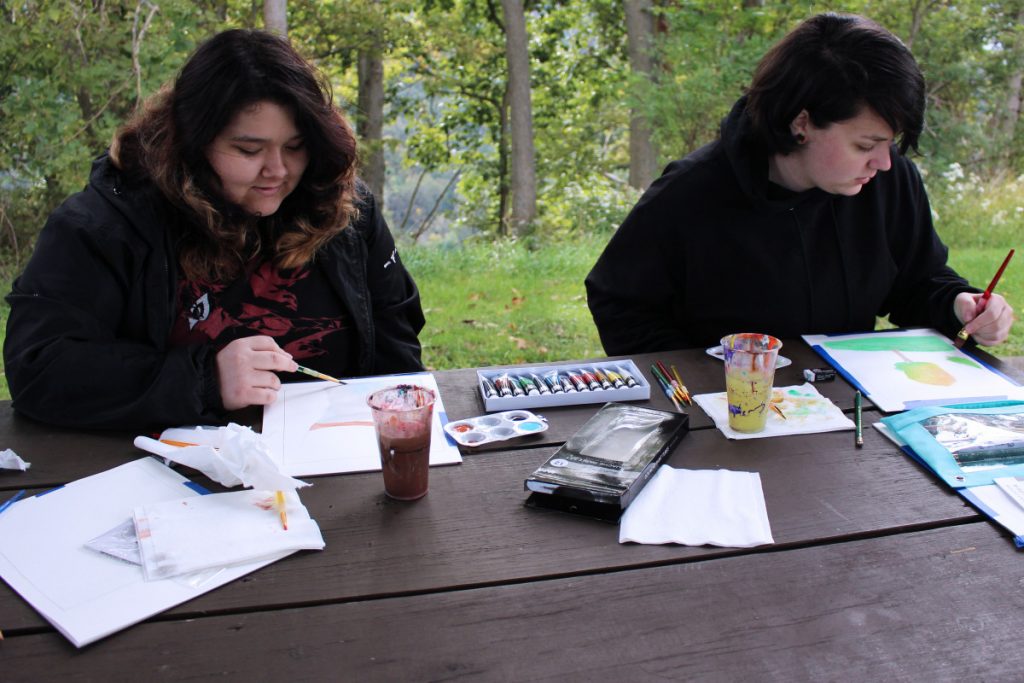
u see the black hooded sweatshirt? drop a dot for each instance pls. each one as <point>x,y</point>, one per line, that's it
<point>88,334</point>
<point>714,248</point>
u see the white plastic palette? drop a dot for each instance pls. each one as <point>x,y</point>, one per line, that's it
<point>476,431</point>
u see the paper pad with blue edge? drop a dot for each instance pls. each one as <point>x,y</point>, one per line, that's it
<point>966,444</point>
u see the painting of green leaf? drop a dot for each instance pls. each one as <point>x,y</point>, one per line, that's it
<point>925,372</point>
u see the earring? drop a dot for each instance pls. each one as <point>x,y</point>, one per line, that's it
<point>800,139</point>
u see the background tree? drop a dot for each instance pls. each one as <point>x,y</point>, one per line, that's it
<point>275,16</point>
<point>640,33</point>
<point>524,181</point>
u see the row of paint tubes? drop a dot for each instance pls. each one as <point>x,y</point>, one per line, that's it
<point>557,381</point>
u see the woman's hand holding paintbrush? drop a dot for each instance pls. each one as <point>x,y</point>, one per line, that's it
<point>987,317</point>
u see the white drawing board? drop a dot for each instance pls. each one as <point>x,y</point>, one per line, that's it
<point>912,368</point>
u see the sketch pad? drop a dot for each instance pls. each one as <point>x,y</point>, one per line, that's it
<point>84,594</point>
<point>905,369</point>
<point>326,428</point>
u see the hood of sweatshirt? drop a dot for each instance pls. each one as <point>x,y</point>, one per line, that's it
<point>749,162</point>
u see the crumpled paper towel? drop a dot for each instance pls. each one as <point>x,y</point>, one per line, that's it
<point>232,455</point>
<point>9,460</point>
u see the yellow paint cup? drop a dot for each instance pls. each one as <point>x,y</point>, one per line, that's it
<point>749,372</point>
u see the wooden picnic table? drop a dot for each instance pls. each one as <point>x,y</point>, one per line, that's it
<point>877,571</point>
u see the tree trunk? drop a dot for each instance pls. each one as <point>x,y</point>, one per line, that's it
<point>640,43</point>
<point>275,16</point>
<point>503,163</point>
<point>524,182</point>
<point>1011,112</point>
<point>917,11</point>
<point>370,121</point>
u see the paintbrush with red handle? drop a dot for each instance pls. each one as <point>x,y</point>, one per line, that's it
<point>961,336</point>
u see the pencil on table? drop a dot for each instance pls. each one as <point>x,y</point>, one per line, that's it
<point>779,411</point>
<point>666,387</point>
<point>282,508</point>
<point>179,444</point>
<point>12,500</point>
<point>677,390</point>
<point>857,423</point>
<point>686,391</point>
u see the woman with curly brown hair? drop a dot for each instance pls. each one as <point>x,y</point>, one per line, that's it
<point>223,237</point>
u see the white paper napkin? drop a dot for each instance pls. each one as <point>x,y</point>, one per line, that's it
<point>806,411</point>
<point>698,507</point>
<point>230,455</point>
<point>219,530</point>
<point>9,460</point>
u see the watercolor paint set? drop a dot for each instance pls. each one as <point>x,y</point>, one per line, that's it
<point>476,431</point>
<point>567,384</point>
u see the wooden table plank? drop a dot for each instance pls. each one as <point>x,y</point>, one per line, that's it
<point>57,455</point>
<point>472,528</point>
<point>944,604</point>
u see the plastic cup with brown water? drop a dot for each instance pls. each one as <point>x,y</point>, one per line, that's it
<point>749,373</point>
<point>402,419</point>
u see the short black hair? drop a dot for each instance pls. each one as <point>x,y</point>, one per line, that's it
<point>833,66</point>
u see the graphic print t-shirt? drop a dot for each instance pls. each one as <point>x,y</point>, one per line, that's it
<point>297,307</point>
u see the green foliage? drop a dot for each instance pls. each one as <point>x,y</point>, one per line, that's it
<point>68,81</point>
<point>970,211</point>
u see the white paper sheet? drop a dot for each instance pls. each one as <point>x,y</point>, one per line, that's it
<point>806,411</point>
<point>84,594</point>
<point>1012,487</point>
<point>698,507</point>
<point>904,369</point>
<point>326,428</point>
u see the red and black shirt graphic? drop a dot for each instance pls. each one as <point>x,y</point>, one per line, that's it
<point>297,307</point>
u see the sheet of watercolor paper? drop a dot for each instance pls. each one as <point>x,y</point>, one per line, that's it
<point>905,369</point>
<point>806,412</point>
<point>326,428</point>
<point>87,595</point>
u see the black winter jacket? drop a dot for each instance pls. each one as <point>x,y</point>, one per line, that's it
<point>712,248</point>
<point>87,338</point>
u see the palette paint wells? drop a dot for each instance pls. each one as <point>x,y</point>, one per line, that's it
<point>476,431</point>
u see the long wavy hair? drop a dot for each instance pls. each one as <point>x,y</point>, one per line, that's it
<point>166,141</point>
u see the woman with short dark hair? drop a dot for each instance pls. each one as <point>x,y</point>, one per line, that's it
<point>801,218</point>
<point>223,237</point>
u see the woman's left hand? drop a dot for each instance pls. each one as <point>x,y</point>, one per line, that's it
<point>989,323</point>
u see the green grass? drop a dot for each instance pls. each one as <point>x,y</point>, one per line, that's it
<point>500,303</point>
